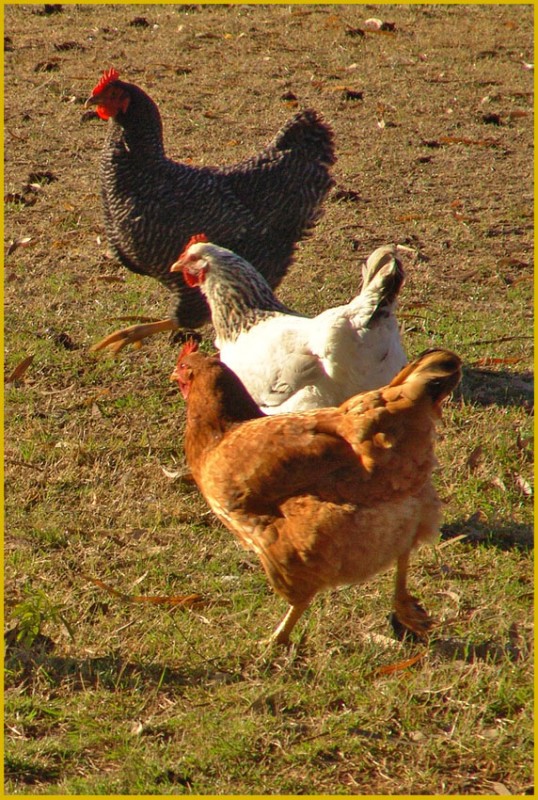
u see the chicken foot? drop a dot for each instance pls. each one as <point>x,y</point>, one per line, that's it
<point>408,610</point>
<point>135,333</point>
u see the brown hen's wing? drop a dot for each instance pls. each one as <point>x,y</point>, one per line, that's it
<point>265,462</point>
<point>376,447</point>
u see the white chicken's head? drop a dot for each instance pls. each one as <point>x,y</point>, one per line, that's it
<point>194,259</point>
<point>237,294</point>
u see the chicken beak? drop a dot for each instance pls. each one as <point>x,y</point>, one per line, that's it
<point>91,101</point>
<point>177,266</point>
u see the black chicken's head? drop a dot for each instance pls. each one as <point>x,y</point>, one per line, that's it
<point>111,96</point>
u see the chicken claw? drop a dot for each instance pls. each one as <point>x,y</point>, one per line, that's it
<point>410,614</point>
<point>408,611</point>
<point>133,335</point>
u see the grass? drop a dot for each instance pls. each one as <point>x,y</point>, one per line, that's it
<point>107,696</point>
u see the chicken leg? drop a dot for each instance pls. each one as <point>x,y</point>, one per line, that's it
<point>135,333</point>
<point>408,610</point>
<point>281,634</point>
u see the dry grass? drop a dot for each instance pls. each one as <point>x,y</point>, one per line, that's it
<point>109,697</point>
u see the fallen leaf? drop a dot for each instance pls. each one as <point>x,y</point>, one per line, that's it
<point>348,195</point>
<point>184,473</point>
<point>517,113</point>
<point>373,24</point>
<point>388,669</point>
<point>512,261</point>
<point>379,640</point>
<point>523,485</point>
<point>491,119</point>
<point>499,788</point>
<point>139,22</point>
<point>475,458</point>
<point>523,444</point>
<point>490,361</point>
<point>352,94</point>
<point>63,46</point>
<point>417,736</point>
<point>23,242</point>
<point>453,540</point>
<point>182,600</point>
<point>90,401</point>
<point>331,21</point>
<point>489,733</point>
<point>289,96</point>
<point>47,66</point>
<point>408,217</point>
<point>354,32</point>
<point>42,176</point>
<point>20,370</point>
<point>498,483</point>
<point>18,197</point>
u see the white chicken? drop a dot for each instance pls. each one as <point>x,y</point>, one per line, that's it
<point>290,362</point>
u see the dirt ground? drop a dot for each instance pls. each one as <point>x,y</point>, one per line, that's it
<point>433,128</point>
<point>433,119</point>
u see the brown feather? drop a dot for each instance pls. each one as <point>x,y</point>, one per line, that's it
<point>324,497</point>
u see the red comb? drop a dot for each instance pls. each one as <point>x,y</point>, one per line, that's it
<point>190,346</point>
<point>109,76</point>
<point>198,237</point>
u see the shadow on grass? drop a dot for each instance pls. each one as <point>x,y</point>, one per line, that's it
<point>488,387</point>
<point>510,536</point>
<point>111,672</point>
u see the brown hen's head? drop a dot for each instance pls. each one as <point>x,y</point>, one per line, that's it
<point>183,371</point>
<point>218,392</point>
<point>110,95</point>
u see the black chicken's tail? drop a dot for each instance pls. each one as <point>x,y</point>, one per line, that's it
<point>309,133</point>
<point>278,194</point>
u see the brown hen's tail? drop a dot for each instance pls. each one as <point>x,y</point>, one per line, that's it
<point>434,373</point>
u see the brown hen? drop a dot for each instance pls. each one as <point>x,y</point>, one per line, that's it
<point>325,497</point>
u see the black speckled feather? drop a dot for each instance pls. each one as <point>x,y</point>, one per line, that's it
<point>258,208</point>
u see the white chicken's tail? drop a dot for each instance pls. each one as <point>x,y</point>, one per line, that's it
<point>382,279</point>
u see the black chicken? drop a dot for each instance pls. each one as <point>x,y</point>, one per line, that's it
<point>258,208</point>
